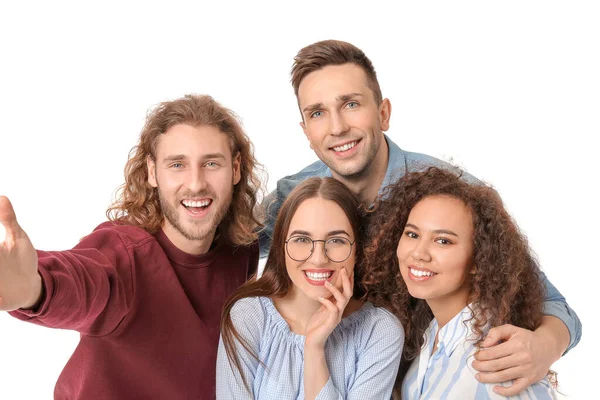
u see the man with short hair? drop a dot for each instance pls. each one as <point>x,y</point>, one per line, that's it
<point>344,116</point>
<point>146,289</point>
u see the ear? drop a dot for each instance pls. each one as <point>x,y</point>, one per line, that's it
<point>385,112</point>
<point>237,168</point>
<point>151,165</point>
<point>473,270</point>
<point>303,125</point>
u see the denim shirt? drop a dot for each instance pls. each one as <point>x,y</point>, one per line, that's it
<point>399,163</point>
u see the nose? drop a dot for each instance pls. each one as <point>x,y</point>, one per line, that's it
<point>197,180</point>
<point>318,257</point>
<point>421,251</point>
<point>338,124</point>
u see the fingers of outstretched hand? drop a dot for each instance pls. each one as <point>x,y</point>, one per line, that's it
<point>8,218</point>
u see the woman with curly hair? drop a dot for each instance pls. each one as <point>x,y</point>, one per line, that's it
<point>298,331</point>
<point>446,257</point>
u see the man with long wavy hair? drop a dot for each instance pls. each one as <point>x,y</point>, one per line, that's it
<point>145,290</point>
<point>344,117</point>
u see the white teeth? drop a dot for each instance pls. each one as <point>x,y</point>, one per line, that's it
<point>419,273</point>
<point>189,203</point>
<point>318,276</point>
<point>345,147</point>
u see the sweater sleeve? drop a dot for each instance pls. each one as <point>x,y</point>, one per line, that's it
<point>87,289</point>
<point>248,317</point>
<point>377,365</point>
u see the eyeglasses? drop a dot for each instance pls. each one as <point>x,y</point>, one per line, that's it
<point>300,248</point>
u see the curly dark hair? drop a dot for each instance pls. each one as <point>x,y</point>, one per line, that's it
<point>506,287</point>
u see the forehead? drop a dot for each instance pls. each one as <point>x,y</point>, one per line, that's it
<point>442,212</point>
<point>319,216</point>
<point>192,141</point>
<point>325,84</point>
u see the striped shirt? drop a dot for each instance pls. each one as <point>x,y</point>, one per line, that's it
<point>362,354</point>
<point>448,374</point>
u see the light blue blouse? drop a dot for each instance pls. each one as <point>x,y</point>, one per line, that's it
<point>362,353</point>
<point>446,373</point>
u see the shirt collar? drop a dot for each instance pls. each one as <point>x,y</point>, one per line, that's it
<point>396,164</point>
<point>454,332</point>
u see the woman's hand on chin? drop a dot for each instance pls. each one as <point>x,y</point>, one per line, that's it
<point>324,321</point>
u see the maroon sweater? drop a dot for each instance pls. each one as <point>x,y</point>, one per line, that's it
<point>147,312</point>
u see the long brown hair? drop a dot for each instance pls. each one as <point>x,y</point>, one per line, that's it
<point>275,281</point>
<point>333,52</point>
<point>137,201</point>
<point>506,287</point>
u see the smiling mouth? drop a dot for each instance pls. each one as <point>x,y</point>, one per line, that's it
<point>318,276</point>
<point>196,207</point>
<point>420,273</point>
<point>345,147</point>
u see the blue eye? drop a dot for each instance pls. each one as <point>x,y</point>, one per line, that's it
<point>177,165</point>
<point>316,114</point>
<point>211,164</point>
<point>352,104</point>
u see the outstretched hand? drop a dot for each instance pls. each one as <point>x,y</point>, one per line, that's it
<point>324,321</point>
<point>20,282</point>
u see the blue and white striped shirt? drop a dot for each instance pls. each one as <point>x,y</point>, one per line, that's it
<point>362,354</point>
<point>448,374</point>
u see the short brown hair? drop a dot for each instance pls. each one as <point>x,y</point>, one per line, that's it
<point>333,52</point>
<point>137,201</point>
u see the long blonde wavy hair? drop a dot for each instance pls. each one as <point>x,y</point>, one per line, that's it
<point>136,201</point>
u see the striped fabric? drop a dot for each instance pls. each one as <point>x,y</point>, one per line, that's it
<point>362,353</point>
<point>448,374</point>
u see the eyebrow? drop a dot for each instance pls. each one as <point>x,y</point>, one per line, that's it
<point>349,96</point>
<point>177,157</point>
<point>342,97</point>
<point>331,233</point>
<point>436,231</point>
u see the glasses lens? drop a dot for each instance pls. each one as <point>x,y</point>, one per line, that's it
<point>299,248</point>
<point>338,249</point>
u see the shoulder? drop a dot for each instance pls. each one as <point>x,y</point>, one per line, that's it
<point>287,184</point>
<point>248,308</point>
<point>376,323</point>
<point>420,162</point>
<point>108,233</point>
<point>241,251</point>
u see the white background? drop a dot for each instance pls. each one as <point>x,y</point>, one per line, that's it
<point>509,90</point>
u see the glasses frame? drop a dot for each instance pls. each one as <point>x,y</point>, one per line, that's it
<point>312,250</point>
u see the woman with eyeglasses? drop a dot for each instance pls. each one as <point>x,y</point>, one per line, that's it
<point>297,332</point>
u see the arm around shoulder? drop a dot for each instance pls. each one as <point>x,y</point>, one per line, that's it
<point>556,306</point>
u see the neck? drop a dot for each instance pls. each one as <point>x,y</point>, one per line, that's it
<point>365,185</point>
<point>297,309</point>
<point>194,247</point>
<point>445,309</point>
